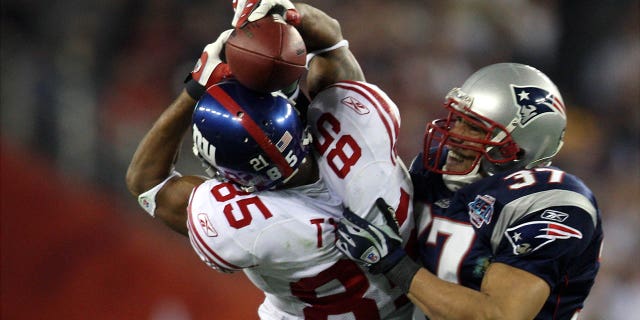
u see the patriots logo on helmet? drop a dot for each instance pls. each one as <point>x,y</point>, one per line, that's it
<point>534,101</point>
<point>531,236</point>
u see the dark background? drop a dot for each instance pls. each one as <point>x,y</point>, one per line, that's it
<point>82,81</point>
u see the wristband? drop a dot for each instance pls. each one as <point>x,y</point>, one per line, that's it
<point>194,89</point>
<point>147,199</point>
<point>340,44</point>
<point>402,273</point>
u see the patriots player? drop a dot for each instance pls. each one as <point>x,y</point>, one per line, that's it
<point>502,233</point>
<point>275,197</point>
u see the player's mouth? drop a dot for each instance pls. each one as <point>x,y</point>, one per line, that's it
<point>458,160</point>
<point>457,156</point>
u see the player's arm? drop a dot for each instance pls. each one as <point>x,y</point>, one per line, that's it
<point>153,162</point>
<point>321,32</point>
<point>150,175</point>
<point>506,292</point>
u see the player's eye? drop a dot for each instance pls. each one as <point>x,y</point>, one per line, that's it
<point>470,125</point>
<point>474,128</point>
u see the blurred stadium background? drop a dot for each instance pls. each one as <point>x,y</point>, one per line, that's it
<point>82,81</point>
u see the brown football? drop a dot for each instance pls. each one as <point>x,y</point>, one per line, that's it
<point>266,55</point>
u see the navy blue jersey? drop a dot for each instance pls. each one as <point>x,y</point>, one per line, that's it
<point>542,220</point>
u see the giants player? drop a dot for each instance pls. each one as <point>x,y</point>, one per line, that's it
<point>272,206</point>
<point>503,235</point>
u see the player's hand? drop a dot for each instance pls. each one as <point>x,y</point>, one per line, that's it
<point>379,248</point>
<point>210,69</point>
<point>251,10</point>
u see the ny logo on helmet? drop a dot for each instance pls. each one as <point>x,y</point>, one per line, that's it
<point>534,101</point>
<point>202,147</point>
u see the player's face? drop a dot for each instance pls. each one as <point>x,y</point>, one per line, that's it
<point>461,159</point>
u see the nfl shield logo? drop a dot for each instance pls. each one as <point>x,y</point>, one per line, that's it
<point>371,255</point>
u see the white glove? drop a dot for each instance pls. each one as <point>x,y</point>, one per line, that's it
<point>251,10</point>
<point>210,69</point>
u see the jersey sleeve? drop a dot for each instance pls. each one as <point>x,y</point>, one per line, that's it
<point>546,241</point>
<point>211,232</point>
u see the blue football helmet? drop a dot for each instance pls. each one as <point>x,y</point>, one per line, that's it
<point>252,139</point>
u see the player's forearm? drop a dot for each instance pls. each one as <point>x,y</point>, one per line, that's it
<point>441,299</point>
<point>154,158</point>
<point>318,29</point>
<point>334,61</point>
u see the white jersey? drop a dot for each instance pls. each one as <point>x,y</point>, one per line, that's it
<point>355,128</point>
<point>284,240</point>
<point>285,243</point>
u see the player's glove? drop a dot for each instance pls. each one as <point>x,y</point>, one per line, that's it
<point>251,10</point>
<point>209,69</point>
<point>379,248</point>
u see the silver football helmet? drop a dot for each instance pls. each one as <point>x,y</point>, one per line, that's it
<point>518,107</point>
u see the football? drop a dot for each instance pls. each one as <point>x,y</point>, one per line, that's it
<point>266,55</point>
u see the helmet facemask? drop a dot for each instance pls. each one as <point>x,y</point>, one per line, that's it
<point>519,111</point>
<point>491,141</point>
